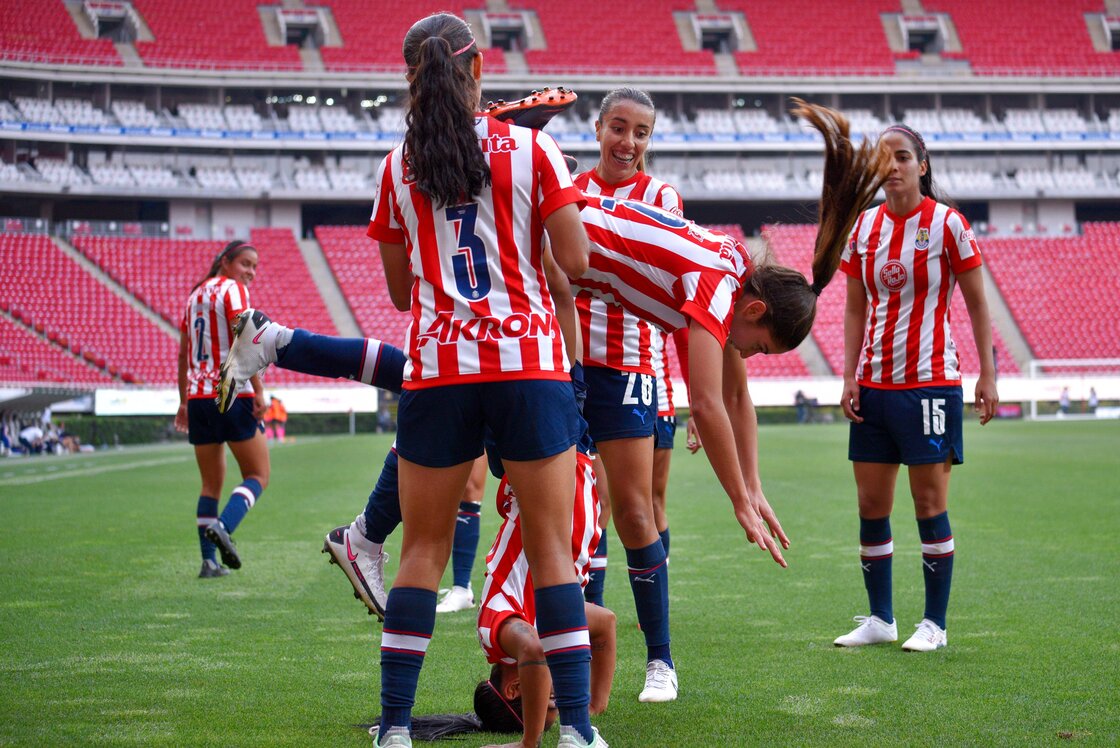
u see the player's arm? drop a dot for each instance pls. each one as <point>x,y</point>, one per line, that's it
<point>398,275</point>
<point>744,424</point>
<point>181,422</point>
<point>705,361</point>
<point>568,239</point>
<point>971,283</point>
<point>520,640</point>
<point>601,627</point>
<point>855,319</point>
<point>564,301</point>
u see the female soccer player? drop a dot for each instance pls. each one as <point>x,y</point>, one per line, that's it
<point>461,210</point>
<point>624,367</point>
<point>206,332</point>
<point>902,380</point>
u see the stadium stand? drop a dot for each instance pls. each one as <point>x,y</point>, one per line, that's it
<point>793,245</point>
<point>30,357</point>
<point>42,31</point>
<point>354,261</point>
<point>800,37</point>
<point>592,44</point>
<point>210,34</point>
<point>372,33</point>
<point>61,296</point>
<point>161,272</point>
<point>1028,39</point>
<point>1046,283</point>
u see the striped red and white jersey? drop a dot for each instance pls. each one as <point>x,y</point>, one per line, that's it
<point>908,265</point>
<point>660,356</point>
<point>208,325</point>
<point>662,268</point>
<point>508,590</point>
<point>612,337</point>
<point>481,310</point>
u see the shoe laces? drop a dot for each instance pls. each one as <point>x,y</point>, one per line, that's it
<point>927,629</point>
<point>864,620</point>
<point>658,674</point>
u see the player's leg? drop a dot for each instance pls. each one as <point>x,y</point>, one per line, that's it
<point>250,449</point>
<point>934,420</point>
<point>662,458</point>
<point>875,461</point>
<point>597,576</point>
<point>465,546</point>
<point>211,459</point>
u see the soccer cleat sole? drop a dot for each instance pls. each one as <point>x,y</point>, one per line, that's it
<point>373,611</point>
<point>536,109</point>
<point>226,549</point>
<point>226,391</point>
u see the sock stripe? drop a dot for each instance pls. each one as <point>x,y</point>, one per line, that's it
<point>565,641</point>
<point>638,572</point>
<point>938,548</point>
<point>246,494</point>
<point>598,562</point>
<point>371,356</point>
<point>206,521</point>
<point>405,643</point>
<point>877,550</point>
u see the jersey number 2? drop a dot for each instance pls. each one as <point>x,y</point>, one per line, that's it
<point>200,353</point>
<point>472,275</point>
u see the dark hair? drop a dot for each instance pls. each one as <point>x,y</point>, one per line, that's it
<point>852,176</point>
<point>232,251</point>
<point>626,93</point>
<point>926,185</point>
<point>495,711</point>
<point>440,145</point>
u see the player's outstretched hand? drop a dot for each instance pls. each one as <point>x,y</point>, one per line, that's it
<point>693,437</point>
<point>762,506</point>
<point>849,400</point>
<point>986,399</point>
<point>181,421</point>
<point>756,533</point>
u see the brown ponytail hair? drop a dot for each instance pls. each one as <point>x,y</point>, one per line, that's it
<point>440,145</point>
<point>852,176</point>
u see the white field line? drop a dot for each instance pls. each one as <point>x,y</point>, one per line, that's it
<point>88,471</point>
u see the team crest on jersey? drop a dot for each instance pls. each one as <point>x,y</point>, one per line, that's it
<point>921,240</point>
<point>498,144</point>
<point>893,275</point>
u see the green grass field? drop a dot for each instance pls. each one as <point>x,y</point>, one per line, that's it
<point>108,637</point>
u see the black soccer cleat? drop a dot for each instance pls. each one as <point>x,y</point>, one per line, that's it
<point>216,533</point>
<point>535,110</point>
<point>212,570</point>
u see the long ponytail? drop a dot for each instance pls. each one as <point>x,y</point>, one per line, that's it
<point>852,176</point>
<point>440,145</point>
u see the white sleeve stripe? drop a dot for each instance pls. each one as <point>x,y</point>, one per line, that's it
<point>877,551</point>
<point>943,548</point>
<point>405,642</point>
<point>566,640</point>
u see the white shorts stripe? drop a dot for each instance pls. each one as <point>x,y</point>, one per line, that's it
<point>407,642</point>
<point>937,549</point>
<point>877,551</point>
<point>246,494</point>
<point>566,640</point>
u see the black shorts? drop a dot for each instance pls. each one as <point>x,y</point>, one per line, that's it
<point>207,426</point>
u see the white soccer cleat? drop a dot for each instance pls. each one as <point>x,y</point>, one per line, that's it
<point>457,598</point>
<point>395,737</point>
<point>661,683</point>
<point>927,638</point>
<point>570,738</point>
<point>252,350</point>
<point>871,630</point>
<point>363,561</point>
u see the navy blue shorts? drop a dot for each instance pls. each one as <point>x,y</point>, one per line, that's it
<point>205,425</point>
<point>919,426</point>
<point>666,432</point>
<point>620,404</point>
<point>529,419</point>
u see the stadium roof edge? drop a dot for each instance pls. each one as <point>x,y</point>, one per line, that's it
<point>694,84</point>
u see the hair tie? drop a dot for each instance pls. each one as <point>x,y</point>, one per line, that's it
<point>464,49</point>
<point>815,288</point>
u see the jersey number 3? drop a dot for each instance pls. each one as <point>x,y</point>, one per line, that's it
<point>472,275</point>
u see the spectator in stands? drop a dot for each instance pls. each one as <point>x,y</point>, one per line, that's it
<point>461,185</point>
<point>634,436</point>
<point>1063,402</point>
<point>902,387</point>
<point>206,332</point>
<point>279,418</point>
